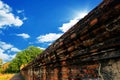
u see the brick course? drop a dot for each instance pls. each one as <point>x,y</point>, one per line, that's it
<point>89,50</point>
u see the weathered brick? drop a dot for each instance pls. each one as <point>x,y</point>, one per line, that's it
<point>73,35</point>
<point>71,48</point>
<point>61,43</point>
<point>117,7</point>
<point>94,21</point>
<point>89,50</point>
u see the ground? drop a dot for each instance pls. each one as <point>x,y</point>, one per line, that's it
<point>16,76</point>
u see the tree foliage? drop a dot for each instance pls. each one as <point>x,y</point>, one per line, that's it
<point>23,58</point>
<point>1,62</point>
<point>4,67</point>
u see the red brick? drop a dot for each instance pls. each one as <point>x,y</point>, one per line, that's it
<point>73,35</point>
<point>94,21</point>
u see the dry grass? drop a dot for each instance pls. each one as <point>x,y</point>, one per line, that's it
<point>6,76</point>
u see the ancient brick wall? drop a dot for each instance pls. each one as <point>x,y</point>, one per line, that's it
<point>90,50</point>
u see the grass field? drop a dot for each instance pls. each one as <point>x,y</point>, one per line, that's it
<point>6,76</point>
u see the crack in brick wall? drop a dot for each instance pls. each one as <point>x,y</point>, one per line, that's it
<point>90,50</point>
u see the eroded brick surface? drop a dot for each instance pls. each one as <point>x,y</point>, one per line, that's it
<point>90,50</point>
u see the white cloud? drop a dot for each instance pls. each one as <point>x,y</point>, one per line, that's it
<point>1,32</point>
<point>68,25</point>
<point>7,18</point>
<point>49,44</point>
<point>6,57</point>
<point>20,11</point>
<point>31,43</point>
<point>12,56</point>
<point>25,18</point>
<point>48,37</point>
<point>5,46</point>
<point>41,48</point>
<point>5,49</point>
<point>3,56</point>
<point>1,50</point>
<point>15,49</point>
<point>23,35</point>
<point>72,22</point>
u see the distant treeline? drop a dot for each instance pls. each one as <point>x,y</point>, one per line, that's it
<point>21,59</point>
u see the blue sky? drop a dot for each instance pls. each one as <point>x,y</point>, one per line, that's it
<point>37,22</point>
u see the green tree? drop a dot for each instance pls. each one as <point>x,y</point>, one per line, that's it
<point>5,66</point>
<point>23,58</point>
<point>1,62</point>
